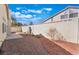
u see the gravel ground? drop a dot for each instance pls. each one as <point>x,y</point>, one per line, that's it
<point>32,45</point>
<point>52,48</point>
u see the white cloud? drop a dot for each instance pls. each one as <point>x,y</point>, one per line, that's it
<point>48,9</point>
<point>35,11</point>
<point>23,16</point>
<point>19,15</point>
<point>27,16</point>
<point>14,13</point>
<point>18,8</point>
<point>39,11</point>
<point>24,11</point>
<point>34,15</point>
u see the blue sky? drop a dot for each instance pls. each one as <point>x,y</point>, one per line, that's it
<point>36,13</point>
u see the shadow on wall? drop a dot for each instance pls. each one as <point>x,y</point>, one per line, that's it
<point>54,34</point>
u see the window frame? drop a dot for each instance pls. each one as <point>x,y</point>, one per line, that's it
<point>64,16</point>
<point>72,15</point>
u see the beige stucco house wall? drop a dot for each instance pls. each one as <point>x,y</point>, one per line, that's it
<point>4,22</point>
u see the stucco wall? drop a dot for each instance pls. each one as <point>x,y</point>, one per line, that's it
<point>58,17</point>
<point>66,29</point>
<point>3,19</point>
<point>16,29</point>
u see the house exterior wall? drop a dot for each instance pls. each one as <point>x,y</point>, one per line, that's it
<point>66,29</point>
<point>66,12</point>
<point>58,17</point>
<point>48,21</point>
<point>9,21</point>
<point>3,23</point>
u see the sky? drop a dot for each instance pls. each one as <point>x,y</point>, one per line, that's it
<point>35,13</point>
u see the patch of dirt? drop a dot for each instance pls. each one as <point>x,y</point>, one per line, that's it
<point>32,45</point>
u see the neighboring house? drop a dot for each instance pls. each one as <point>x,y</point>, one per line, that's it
<point>64,26</point>
<point>4,22</point>
<point>68,13</point>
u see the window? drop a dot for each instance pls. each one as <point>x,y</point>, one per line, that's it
<point>3,28</point>
<point>73,15</point>
<point>64,16</point>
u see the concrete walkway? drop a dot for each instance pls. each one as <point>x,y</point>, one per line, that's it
<point>13,36</point>
<point>70,47</point>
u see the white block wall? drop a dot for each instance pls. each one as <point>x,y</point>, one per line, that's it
<point>68,29</point>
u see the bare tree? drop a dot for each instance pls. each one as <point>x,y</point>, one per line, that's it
<point>14,22</point>
<point>52,33</point>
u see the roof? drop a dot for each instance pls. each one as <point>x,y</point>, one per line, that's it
<point>69,7</point>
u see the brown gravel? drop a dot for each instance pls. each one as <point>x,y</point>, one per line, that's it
<point>52,48</point>
<point>32,45</point>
